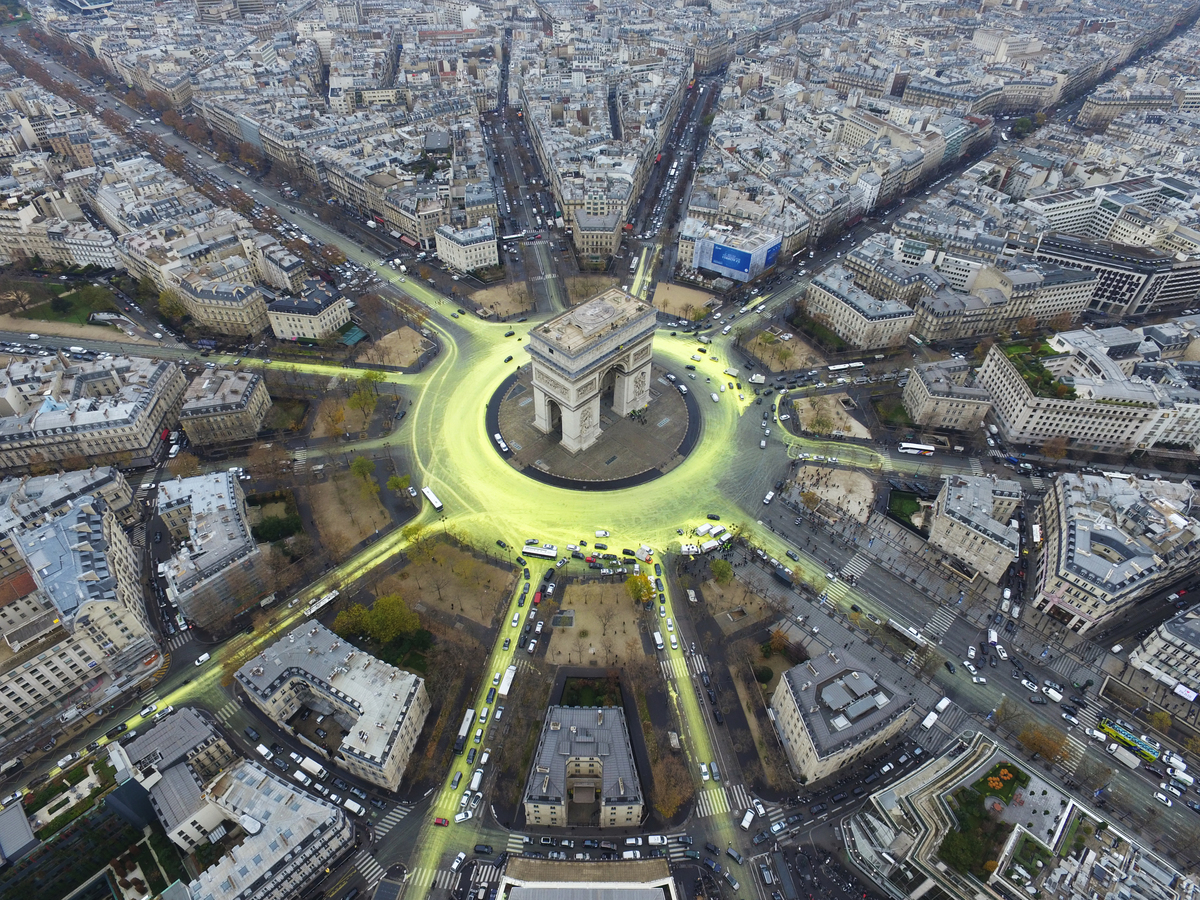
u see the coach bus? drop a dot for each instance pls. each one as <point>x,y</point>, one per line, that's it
<point>1142,748</point>
<point>542,552</point>
<point>432,498</point>
<point>845,367</point>
<point>917,449</point>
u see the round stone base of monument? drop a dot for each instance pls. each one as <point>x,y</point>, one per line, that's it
<point>631,450</point>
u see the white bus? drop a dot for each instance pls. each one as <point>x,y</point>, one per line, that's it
<point>917,449</point>
<point>432,498</point>
<point>542,552</point>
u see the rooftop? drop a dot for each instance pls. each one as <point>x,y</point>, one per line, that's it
<point>218,532</point>
<point>571,732</point>
<point>971,501</point>
<point>218,390</point>
<point>585,326</point>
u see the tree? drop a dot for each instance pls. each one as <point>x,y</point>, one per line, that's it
<point>1044,740</point>
<point>779,641</point>
<point>722,571</point>
<point>399,483</point>
<point>982,348</point>
<point>352,622</point>
<point>810,499</point>
<point>1159,720</point>
<point>390,618</point>
<point>639,588</point>
<point>1056,447</point>
<point>1062,322</point>
<point>60,305</point>
<point>364,401</point>
<point>334,416</point>
<point>362,467</point>
<point>369,381</point>
<point>170,305</point>
<point>185,465</point>
<point>1027,325</point>
<point>605,615</point>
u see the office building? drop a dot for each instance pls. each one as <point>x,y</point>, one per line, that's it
<point>318,313</point>
<point>972,521</point>
<point>538,879</point>
<point>468,249</point>
<point>59,411</point>
<point>1108,543</point>
<point>223,306</point>
<point>381,708</point>
<point>943,395</point>
<point>1170,654</point>
<point>222,406</point>
<point>862,321</point>
<point>218,568</point>
<point>835,708</point>
<point>583,771</point>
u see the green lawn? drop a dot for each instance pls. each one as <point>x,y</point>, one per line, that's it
<point>891,411</point>
<point>285,414</point>
<point>903,505</point>
<point>74,307</point>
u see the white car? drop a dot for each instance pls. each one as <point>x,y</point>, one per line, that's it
<point>1029,685</point>
<point>970,668</point>
<point>704,771</point>
<point>970,653</point>
<point>670,624</point>
<point>1067,717</point>
<point>1001,652</point>
<point>1163,799</point>
<point>979,679</point>
<point>1095,735</point>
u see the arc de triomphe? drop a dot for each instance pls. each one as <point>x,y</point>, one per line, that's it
<point>607,338</point>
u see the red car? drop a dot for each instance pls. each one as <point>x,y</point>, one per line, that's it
<point>443,822</point>
<point>537,599</point>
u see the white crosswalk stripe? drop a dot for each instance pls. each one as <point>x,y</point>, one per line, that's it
<point>976,466</point>
<point>178,640</point>
<point>1038,484</point>
<point>856,566</point>
<point>676,850</point>
<point>445,879</point>
<point>485,874</point>
<point>941,622</point>
<point>515,843</point>
<point>421,877</point>
<point>674,668</point>
<point>699,666</point>
<point>1075,754</point>
<point>301,460</point>
<point>776,814</point>
<point>391,820</point>
<point>738,798</point>
<point>711,802</point>
<point>149,697</point>
<point>226,712</point>
<point>370,868</point>
<point>886,463</point>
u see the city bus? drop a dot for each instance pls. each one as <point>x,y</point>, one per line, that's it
<point>1129,739</point>
<point>845,367</point>
<point>917,449</point>
<point>542,552</point>
<point>432,498</point>
<point>633,264</point>
<point>513,237</point>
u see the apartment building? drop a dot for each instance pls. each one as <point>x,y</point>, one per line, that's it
<point>55,410</point>
<point>318,313</point>
<point>222,406</point>
<point>26,231</point>
<point>835,708</point>
<point>944,395</point>
<point>584,757</point>
<point>1170,654</point>
<point>74,624</point>
<point>468,249</point>
<point>862,321</point>
<point>218,568</point>
<point>971,521</point>
<point>596,235</point>
<point>223,306</point>
<point>291,839</point>
<point>381,708</point>
<point>1084,393</point>
<point>1108,543</point>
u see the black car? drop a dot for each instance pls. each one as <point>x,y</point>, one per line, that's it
<point>1070,710</point>
<point>483,849</point>
<point>526,572</point>
<point>817,808</point>
<point>592,844</point>
<point>338,783</point>
<point>858,790</point>
<point>251,733</point>
<point>685,839</point>
<point>714,517</point>
<point>115,730</point>
<point>720,718</point>
<point>502,545</point>
<point>992,662</point>
<point>704,677</point>
<point>1078,701</point>
<point>521,562</point>
<point>94,745</point>
<point>508,333</point>
<point>508,359</point>
<point>872,778</point>
<point>692,368</point>
<point>379,804</point>
<point>838,797</point>
<point>950,667</point>
<point>760,838</point>
<point>280,763</point>
<point>1038,699</point>
<point>712,696</point>
<point>600,546</point>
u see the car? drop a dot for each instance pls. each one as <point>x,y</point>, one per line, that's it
<point>950,667</point>
<point>1029,685</point>
<point>1170,789</point>
<point>458,861</point>
<point>970,668</point>
<point>445,823</point>
<point>979,679</point>
<point>971,652</point>
<point>1163,799</point>
<point>149,710</point>
<point>887,768</point>
<point>818,808</point>
<point>1038,700</point>
<point>1067,717</point>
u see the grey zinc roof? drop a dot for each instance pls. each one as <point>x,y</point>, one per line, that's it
<point>573,731</point>
<point>69,557</point>
<point>16,837</point>
<point>170,740</point>
<point>176,796</point>
<point>970,500</point>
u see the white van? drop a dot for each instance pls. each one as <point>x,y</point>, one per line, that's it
<point>747,819</point>
<point>993,638</point>
<point>1052,694</point>
<point>658,641</point>
<point>264,752</point>
<point>203,658</point>
<point>942,705</point>
<point>1181,776</point>
<point>302,778</point>
<point>1016,611</point>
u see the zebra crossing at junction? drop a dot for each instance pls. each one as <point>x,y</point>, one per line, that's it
<point>149,697</point>
<point>370,868</point>
<point>711,802</point>
<point>976,466</point>
<point>178,640</point>
<point>138,537</point>
<point>226,712</point>
<point>859,564</point>
<point>675,850</point>
<point>1038,484</point>
<point>699,666</point>
<point>424,876</point>
<point>674,667</point>
<point>941,622</point>
<point>738,797</point>
<point>484,873</point>
<point>516,844</point>
<point>301,460</point>
<point>392,819</point>
<point>886,463</point>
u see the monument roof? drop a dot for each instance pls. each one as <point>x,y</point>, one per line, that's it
<point>589,322</point>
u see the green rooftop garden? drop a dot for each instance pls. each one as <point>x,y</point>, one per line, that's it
<point>974,847</point>
<point>1027,358</point>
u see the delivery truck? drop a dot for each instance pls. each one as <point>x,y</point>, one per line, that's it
<point>314,768</point>
<point>1124,755</point>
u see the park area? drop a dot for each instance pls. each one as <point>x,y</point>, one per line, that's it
<point>452,581</point>
<point>346,512</point>
<point>847,489</point>
<point>504,300</point>
<point>600,624</point>
<point>401,348</point>
<point>679,301</point>
<point>777,354</point>
<point>975,844</point>
<point>828,414</point>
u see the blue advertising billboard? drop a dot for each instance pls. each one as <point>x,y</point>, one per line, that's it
<point>737,260</point>
<point>772,254</point>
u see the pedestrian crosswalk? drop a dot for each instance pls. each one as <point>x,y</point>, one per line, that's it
<point>178,640</point>
<point>1038,484</point>
<point>301,461</point>
<point>391,820</point>
<point>675,850</point>
<point>738,796</point>
<point>516,843</point>
<point>370,868</point>
<point>859,564</point>
<point>138,536</point>
<point>425,876</point>
<point>886,463</point>
<point>485,873</point>
<point>941,622</point>
<point>682,667</point>
<point>976,466</point>
<point>226,712</point>
<point>711,802</point>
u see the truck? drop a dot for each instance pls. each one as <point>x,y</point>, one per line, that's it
<point>477,779</point>
<point>704,529</point>
<point>506,683</point>
<point>758,379</point>
<point>314,768</point>
<point>929,720</point>
<point>354,807</point>
<point>709,546</point>
<point>644,553</point>
<point>691,549</point>
<point>1123,755</point>
<point>658,641</point>
<point>464,730</point>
